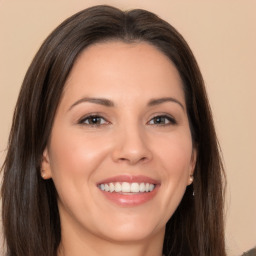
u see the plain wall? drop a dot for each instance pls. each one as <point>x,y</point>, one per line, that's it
<point>222,35</point>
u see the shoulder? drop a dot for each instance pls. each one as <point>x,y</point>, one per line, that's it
<point>252,252</point>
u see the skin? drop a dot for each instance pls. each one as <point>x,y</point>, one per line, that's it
<point>126,140</point>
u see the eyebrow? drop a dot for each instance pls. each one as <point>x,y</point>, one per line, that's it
<point>109,103</point>
<point>154,102</point>
<point>100,101</point>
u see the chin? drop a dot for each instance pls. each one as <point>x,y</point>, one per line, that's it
<point>133,230</point>
<point>131,236</point>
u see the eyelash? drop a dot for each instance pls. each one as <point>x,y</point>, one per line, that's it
<point>159,118</point>
<point>94,119</point>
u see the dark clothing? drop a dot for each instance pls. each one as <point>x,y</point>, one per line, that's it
<point>252,252</point>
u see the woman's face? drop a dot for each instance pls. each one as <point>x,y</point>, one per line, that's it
<point>121,126</point>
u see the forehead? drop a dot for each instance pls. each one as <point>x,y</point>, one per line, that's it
<point>110,68</point>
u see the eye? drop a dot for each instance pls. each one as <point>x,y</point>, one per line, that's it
<point>93,120</point>
<point>162,120</point>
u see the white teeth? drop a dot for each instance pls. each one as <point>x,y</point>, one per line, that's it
<point>118,187</point>
<point>135,187</point>
<point>111,187</point>
<point>147,187</point>
<point>106,188</point>
<point>125,187</point>
<point>151,187</point>
<point>142,187</point>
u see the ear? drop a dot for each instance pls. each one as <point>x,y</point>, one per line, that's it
<point>192,166</point>
<point>45,165</point>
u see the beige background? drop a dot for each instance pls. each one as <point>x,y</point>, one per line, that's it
<point>222,35</point>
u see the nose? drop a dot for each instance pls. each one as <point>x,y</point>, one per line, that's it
<point>131,146</point>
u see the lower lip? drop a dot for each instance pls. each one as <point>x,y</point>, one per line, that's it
<point>130,199</point>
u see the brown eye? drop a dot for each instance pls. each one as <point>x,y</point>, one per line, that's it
<point>93,120</point>
<point>162,120</point>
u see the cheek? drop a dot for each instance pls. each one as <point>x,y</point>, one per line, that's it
<point>175,163</point>
<point>74,161</point>
<point>74,158</point>
<point>176,155</point>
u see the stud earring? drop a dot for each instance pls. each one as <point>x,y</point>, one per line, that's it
<point>43,174</point>
<point>191,179</point>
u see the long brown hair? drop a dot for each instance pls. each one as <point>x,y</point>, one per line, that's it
<point>30,213</point>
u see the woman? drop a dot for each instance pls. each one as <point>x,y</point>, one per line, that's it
<point>113,149</point>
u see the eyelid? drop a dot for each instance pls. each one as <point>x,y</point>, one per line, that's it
<point>170,118</point>
<point>81,121</point>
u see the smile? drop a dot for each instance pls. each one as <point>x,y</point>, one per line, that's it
<point>126,187</point>
<point>129,191</point>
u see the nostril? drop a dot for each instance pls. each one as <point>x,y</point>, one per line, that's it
<point>143,159</point>
<point>133,160</point>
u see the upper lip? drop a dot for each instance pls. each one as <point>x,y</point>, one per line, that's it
<point>130,179</point>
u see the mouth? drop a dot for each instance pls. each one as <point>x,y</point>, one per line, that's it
<point>129,191</point>
<point>126,187</point>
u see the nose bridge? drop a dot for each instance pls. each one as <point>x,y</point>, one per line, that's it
<point>131,144</point>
